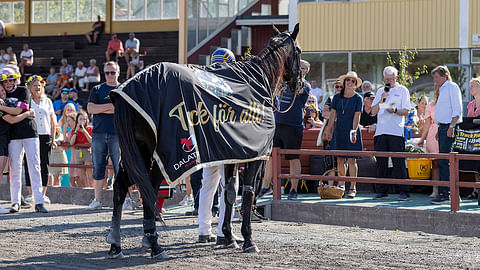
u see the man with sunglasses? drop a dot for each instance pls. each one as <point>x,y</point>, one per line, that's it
<point>289,132</point>
<point>59,104</point>
<point>391,105</point>
<point>104,138</point>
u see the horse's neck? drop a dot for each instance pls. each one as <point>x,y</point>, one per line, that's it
<point>273,69</point>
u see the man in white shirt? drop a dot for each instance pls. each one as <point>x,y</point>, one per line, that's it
<point>449,114</point>
<point>132,44</point>
<point>26,58</point>
<point>79,74</point>
<point>391,105</point>
<point>317,92</point>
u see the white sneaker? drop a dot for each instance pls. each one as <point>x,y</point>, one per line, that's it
<point>187,200</point>
<point>29,198</point>
<point>127,204</point>
<point>46,199</point>
<point>94,205</point>
<point>3,210</point>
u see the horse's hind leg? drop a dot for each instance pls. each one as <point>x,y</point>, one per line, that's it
<point>120,189</point>
<point>251,171</point>
<point>150,238</point>
<point>230,196</point>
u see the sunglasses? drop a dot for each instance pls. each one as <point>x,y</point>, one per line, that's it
<point>66,93</point>
<point>338,86</point>
<point>311,101</point>
<point>111,73</point>
<point>351,80</point>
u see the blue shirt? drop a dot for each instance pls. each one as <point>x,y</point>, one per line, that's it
<point>68,69</point>
<point>294,117</point>
<point>59,105</point>
<point>102,123</point>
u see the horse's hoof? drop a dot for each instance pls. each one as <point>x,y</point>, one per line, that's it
<point>111,240</point>
<point>115,252</point>
<point>159,253</point>
<point>233,245</point>
<point>251,249</point>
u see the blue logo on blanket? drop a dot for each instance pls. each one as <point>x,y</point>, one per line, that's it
<point>213,84</point>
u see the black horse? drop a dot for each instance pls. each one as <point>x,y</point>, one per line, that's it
<point>279,62</point>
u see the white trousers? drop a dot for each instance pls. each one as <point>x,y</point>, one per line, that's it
<point>210,180</point>
<point>16,150</point>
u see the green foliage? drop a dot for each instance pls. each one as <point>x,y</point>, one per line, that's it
<point>415,99</point>
<point>247,55</point>
<point>405,59</point>
<point>413,149</point>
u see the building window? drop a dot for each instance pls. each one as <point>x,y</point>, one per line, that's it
<point>476,56</point>
<point>325,68</point>
<point>139,10</point>
<point>12,12</point>
<point>58,11</point>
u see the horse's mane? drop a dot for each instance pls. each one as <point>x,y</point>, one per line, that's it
<point>272,60</point>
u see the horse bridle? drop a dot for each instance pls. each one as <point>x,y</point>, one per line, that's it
<point>299,83</point>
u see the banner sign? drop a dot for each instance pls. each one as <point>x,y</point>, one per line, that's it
<point>203,116</point>
<point>467,141</point>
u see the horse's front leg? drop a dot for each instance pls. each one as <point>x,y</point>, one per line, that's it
<point>150,237</point>
<point>230,196</point>
<point>120,189</point>
<point>248,196</point>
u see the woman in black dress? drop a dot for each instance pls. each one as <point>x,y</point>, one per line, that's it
<point>345,112</point>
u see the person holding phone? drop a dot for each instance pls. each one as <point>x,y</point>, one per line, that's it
<point>391,105</point>
<point>82,134</point>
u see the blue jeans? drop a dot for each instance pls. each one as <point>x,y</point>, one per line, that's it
<point>104,145</point>
<point>445,146</point>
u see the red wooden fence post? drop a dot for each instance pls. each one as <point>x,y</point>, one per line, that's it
<point>277,186</point>
<point>454,192</point>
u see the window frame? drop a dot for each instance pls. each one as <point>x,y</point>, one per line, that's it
<point>145,9</point>
<point>92,17</point>
<point>12,12</point>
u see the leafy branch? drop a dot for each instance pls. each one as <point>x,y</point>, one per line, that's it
<point>405,59</point>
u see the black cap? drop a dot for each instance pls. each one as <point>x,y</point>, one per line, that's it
<point>369,94</point>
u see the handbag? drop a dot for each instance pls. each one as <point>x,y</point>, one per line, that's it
<point>321,137</point>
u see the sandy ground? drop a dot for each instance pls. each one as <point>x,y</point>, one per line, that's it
<point>70,237</point>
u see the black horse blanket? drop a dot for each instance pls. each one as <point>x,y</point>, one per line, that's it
<point>203,116</point>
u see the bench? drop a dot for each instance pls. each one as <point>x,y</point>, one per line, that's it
<point>309,141</point>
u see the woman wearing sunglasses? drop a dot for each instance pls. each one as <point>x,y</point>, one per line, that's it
<point>345,112</point>
<point>23,139</point>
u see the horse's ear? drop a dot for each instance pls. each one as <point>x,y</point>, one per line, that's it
<point>295,31</point>
<point>276,32</point>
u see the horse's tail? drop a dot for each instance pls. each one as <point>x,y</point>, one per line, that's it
<point>133,160</point>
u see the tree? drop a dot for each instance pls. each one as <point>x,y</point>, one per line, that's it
<point>405,59</point>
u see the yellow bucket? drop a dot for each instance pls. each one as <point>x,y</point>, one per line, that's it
<point>419,168</point>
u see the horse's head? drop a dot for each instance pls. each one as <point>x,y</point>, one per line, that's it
<point>285,43</point>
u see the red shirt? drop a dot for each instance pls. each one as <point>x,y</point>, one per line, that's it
<point>115,45</point>
<point>81,138</point>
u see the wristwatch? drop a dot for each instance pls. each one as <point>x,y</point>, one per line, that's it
<point>451,126</point>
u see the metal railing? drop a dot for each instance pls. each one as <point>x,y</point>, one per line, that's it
<point>68,165</point>
<point>453,158</point>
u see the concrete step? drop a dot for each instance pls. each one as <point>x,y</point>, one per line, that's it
<point>81,196</point>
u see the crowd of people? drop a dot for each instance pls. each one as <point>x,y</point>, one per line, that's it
<point>56,131</point>
<point>49,123</point>
<point>390,113</point>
